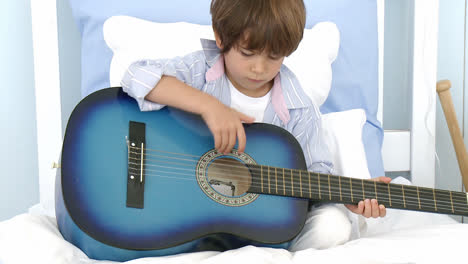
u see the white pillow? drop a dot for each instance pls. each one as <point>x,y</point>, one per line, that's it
<point>133,39</point>
<point>343,132</point>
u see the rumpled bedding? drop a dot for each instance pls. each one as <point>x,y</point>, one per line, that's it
<point>400,237</point>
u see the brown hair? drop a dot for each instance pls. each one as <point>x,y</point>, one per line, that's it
<point>275,26</point>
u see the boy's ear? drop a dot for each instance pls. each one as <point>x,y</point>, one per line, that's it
<point>218,40</point>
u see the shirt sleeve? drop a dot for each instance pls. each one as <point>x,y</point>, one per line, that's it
<point>143,75</point>
<point>308,131</point>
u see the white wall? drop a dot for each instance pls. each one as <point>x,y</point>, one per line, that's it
<point>18,154</point>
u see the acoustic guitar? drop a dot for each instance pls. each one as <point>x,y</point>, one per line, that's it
<point>136,184</point>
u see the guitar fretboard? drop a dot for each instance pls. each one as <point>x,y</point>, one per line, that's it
<point>340,189</point>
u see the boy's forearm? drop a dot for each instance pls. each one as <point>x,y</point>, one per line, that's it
<point>173,92</point>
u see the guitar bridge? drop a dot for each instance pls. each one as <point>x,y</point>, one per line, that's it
<point>136,165</point>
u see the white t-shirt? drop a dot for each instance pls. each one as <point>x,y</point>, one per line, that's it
<point>251,106</point>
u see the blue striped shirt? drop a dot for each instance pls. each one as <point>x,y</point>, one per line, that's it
<point>290,107</point>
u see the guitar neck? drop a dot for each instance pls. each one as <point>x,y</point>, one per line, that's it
<point>340,189</point>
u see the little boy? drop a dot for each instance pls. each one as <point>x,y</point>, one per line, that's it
<point>240,77</point>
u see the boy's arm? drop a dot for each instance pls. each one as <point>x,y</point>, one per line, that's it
<point>178,83</point>
<point>224,122</point>
<point>142,76</point>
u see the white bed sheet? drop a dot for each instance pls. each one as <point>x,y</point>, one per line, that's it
<point>401,237</point>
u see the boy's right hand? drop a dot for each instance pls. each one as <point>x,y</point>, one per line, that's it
<point>225,124</point>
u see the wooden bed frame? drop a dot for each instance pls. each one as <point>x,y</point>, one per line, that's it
<point>403,150</point>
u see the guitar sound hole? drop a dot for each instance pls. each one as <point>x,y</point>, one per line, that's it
<point>229,177</point>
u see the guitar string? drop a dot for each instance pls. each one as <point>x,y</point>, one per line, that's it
<point>357,181</point>
<point>409,202</point>
<point>422,206</point>
<point>332,190</point>
<point>295,170</point>
<point>396,188</point>
<point>243,166</point>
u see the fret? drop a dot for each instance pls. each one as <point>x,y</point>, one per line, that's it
<point>369,189</point>
<point>357,190</point>
<point>443,201</point>
<point>292,183</point>
<point>346,192</point>
<point>287,188</point>
<point>296,178</point>
<point>310,187</point>
<point>269,190</point>
<point>324,187</point>
<point>256,173</point>
<point>300,183</point>
<point>281,184</point>
<point>276,181</point>
<point>314,186</point>
<point>451,202</point>
<point>396,196</point>
<point>284,184</point>
<point>329,188</point>
<point>318,180</point>
<point>435,201</point>
<point>375,190</point>
<point>363,190</point>
<point>389,195</point>
<point>261,177</point>
<point>335,186</point>
<point>382,192</point>
<point>419,198</point>
<point>411,197</point>
<point>427,199</point>
<point>460,204</point>
<point>403,193</point>
<point>339,184</point>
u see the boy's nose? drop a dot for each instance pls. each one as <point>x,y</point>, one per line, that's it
<point>259,66</point>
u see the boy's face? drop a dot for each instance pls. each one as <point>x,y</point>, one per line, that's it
<point>251,72</point>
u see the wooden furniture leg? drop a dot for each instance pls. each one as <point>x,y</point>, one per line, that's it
<point>443,89</point>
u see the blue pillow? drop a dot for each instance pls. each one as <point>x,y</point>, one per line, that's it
<point>355,71</point>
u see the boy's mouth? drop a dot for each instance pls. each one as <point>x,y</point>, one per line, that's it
<point>254,80</point>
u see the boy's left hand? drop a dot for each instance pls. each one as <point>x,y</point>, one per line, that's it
<point>370,208</point>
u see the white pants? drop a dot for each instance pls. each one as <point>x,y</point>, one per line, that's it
<point>326,226</point>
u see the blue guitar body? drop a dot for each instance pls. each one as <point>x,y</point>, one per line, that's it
<point>178,209</point>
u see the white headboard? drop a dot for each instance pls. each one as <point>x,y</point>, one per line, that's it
<point>409,150</point>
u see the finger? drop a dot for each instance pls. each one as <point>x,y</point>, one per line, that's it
<point>217,140</point>
<point>367,208</point>
<point>231,141</point>
<point>375,208</point>
<point>241,138</point>
<point>245,118</point>
<point>357,209</point>
<point>383,179</point>
<point>383,210</point>
<point>224,141</point>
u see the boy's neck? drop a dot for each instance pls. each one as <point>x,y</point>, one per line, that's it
<point>253,93</point>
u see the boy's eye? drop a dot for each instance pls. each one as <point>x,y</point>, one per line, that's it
<point>275,57</point>
<point>246,53</point>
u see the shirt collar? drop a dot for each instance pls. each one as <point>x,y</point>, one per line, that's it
<point>216,63</point>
